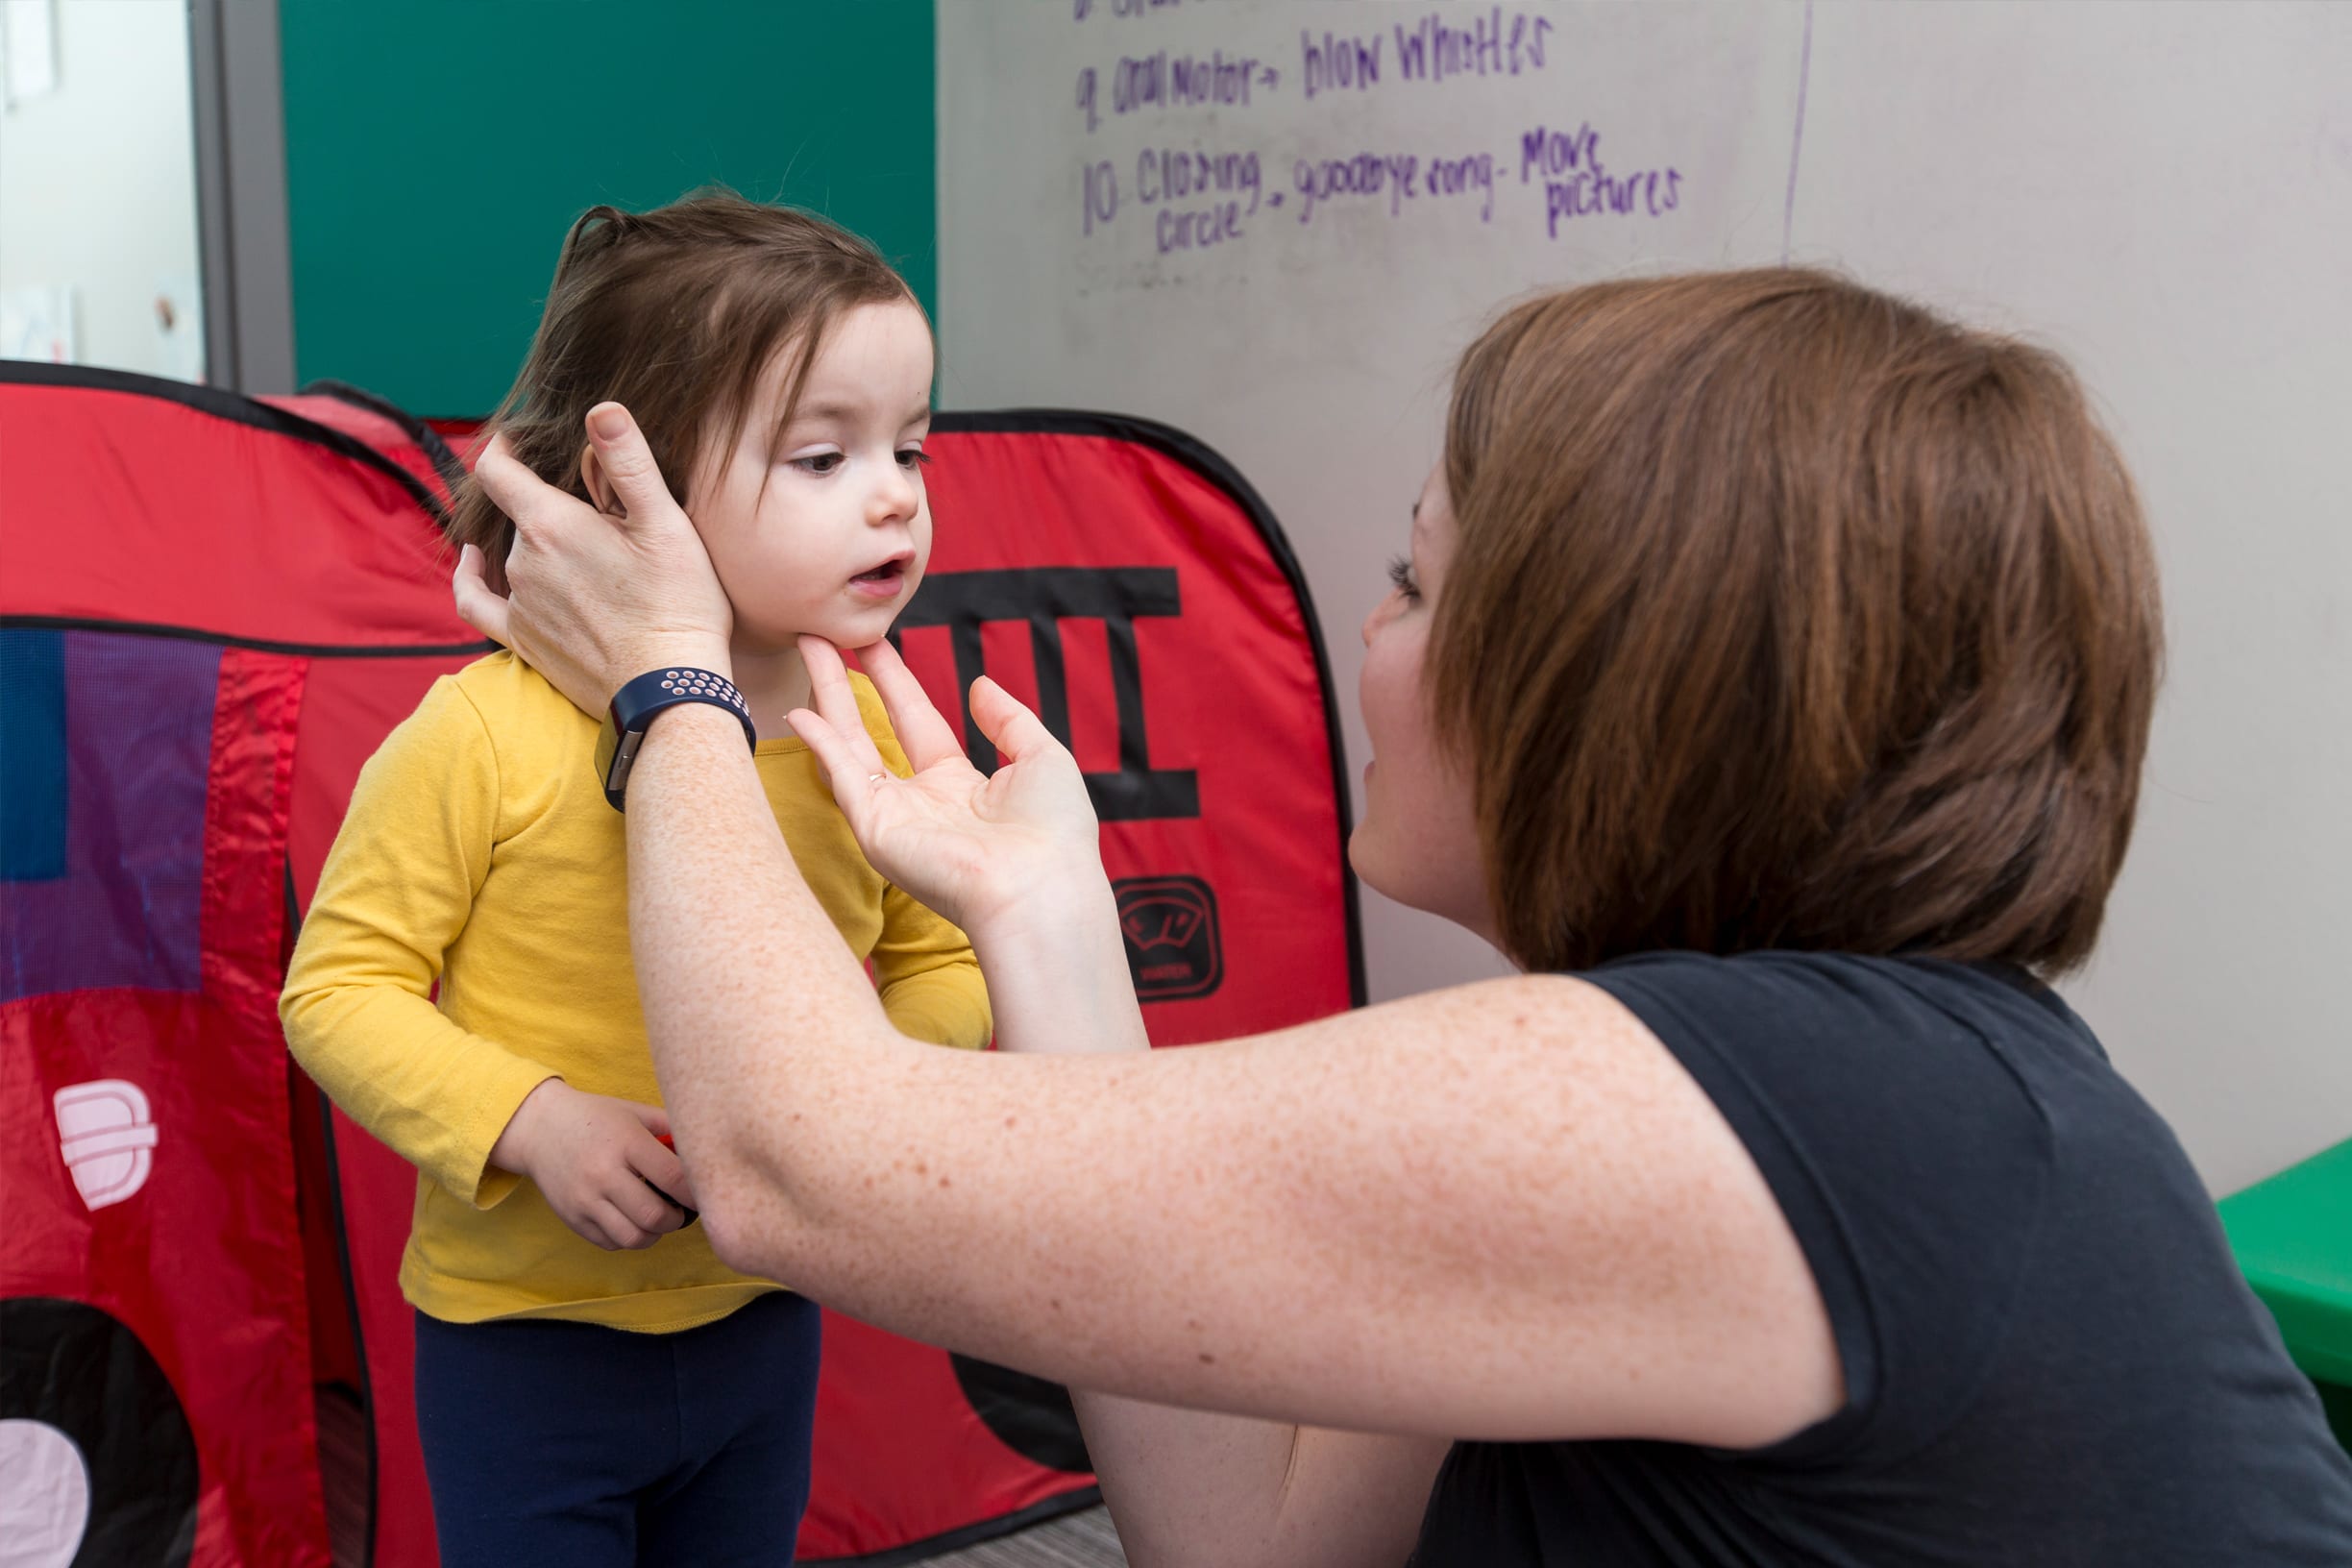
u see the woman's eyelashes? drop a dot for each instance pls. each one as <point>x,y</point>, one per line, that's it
<point>1401,576</point>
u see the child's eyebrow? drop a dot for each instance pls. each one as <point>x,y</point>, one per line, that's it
<point>837,408</point>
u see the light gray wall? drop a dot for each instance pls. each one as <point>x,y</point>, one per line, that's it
<point>98,182</point>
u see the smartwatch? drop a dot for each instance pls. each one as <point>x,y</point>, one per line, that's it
<point>634,706</point>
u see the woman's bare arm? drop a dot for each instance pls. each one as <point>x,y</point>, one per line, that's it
<point>1189,1489</point>
<point>1502,1210</point>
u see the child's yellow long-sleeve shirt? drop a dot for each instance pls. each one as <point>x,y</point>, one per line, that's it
<point>479,853</point>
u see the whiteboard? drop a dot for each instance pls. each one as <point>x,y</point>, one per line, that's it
<point>1275,223</point>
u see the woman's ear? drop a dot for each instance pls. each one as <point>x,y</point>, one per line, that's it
<point>600,492</point>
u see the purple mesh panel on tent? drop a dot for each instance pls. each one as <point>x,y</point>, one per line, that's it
<point>107,743</point>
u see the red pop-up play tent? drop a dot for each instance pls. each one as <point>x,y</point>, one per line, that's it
<point>212,610</point>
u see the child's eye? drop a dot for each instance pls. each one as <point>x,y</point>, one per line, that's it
<point>823,462</point>
<point>914,457</point>
<point>1401,576</point>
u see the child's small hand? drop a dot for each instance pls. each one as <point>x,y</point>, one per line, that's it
<point>593,1157</point>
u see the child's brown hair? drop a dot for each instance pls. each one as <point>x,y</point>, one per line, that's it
<point>674,313</point>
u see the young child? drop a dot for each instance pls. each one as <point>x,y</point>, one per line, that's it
<point>594,1387</point>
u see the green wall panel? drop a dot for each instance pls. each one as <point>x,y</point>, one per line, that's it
<point>437,149</point>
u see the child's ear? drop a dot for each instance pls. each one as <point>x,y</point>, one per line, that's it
<point>600,492</point>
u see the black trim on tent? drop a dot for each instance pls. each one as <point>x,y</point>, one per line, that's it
<point>258,645</point>
<point>427,439</point>
<point>343,1257</point>
<point>1210,465</point>
<point>235,406</point>
<point>1075,1500</point>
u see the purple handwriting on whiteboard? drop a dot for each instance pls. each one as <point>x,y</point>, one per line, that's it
<point>1082,10</point>
<point>1577,184</point>
<point>1200,195</point>
<point>1204,197</point>
<point>1433,49</point>
<point>1397,178</point>
<point>1172,80</point>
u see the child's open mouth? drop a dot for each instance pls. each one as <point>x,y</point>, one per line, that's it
<point>882,582</point>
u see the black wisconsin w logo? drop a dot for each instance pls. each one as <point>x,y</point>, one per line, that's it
<point>1042,598</point>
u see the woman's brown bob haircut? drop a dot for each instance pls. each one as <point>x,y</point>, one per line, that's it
<point>1787,614</point>
<point>675,314</point>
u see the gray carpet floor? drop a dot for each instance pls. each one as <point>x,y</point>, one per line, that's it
<point>1076,1541</point>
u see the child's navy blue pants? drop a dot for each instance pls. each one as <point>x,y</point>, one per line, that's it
<point>574,1445</point>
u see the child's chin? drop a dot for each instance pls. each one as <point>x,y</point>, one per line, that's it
<point>852,630</point>
<point>857,629</point>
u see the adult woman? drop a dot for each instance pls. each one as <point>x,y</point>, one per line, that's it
<point>1773,656</point>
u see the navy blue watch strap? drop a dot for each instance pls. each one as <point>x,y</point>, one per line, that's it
<point>635,707</point>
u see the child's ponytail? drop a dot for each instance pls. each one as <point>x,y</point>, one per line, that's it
<point>529,422</point>
<point>592,232</point>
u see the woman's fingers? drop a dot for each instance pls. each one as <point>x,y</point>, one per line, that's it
<point>1017,733</point>
<point>597,600</point>
<point>833,697</point>
<point>821,660</point>
<point>921,731</point>
<point>850,773</point>
<point>504,479</point>
<point>478,605</point>
<point>629,463</point>
<point>836,703</point>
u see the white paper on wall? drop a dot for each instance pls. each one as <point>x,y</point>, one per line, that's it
<point>28,49</point>
<point>37,322</point>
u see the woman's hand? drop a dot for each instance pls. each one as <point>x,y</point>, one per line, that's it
<point>971,846</point>
<point>594,600</point>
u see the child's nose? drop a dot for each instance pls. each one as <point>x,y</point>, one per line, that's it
<point>893,500</point>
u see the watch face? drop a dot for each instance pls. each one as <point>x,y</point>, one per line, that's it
<point>612,761</point>
<point>608,743</point>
